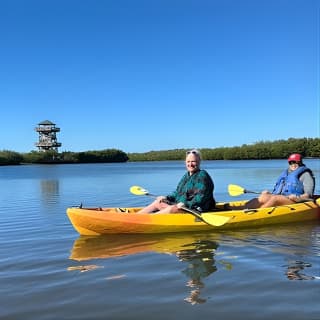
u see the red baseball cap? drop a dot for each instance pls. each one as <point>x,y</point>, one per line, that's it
<point>295,157</point>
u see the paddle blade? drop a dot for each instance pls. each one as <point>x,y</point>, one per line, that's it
<point>214,219</point>
<point>139,191</point>
<point>209,218</point>
<point>235,190</point>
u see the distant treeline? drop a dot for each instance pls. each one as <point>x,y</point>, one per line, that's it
<point>52,157</point>
<point>279,149</point>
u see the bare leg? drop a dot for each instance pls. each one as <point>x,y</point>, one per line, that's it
<point>156,205</point>
<point>170,209</point>
<point>260,201</point>
<point>265,200</point>
<point>160,207</point>
<point>276,200</point>
<point>252,204</point>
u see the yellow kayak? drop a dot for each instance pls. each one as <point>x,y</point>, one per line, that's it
<point>98,221</point>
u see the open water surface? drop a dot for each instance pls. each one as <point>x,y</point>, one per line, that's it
<point>48,271</point>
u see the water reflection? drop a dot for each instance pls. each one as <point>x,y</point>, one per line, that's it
<point>202,254</point>
<point>295,270</point>
<point>195,252</point>
<point>110,246</point>
<point>49,191</point>
<point>199,257</point>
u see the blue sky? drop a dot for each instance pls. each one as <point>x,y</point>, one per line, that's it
<point>141,75</point>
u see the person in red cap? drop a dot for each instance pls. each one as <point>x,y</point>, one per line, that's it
<point>295,184</point>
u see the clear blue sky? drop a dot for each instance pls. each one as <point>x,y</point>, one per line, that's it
<point>141,75</point>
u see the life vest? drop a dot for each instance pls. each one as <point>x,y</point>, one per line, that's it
<point>289,183</point>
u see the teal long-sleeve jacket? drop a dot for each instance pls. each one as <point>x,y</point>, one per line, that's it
<point>195,191</point>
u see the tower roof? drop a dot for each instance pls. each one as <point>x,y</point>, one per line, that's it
<point>46,122</point>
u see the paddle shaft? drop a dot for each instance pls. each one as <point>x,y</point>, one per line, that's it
<point>248,191</point>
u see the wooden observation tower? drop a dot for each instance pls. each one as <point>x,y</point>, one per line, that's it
<point>47,136</point>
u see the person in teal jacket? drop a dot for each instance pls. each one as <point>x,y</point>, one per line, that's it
<point>194,190</point>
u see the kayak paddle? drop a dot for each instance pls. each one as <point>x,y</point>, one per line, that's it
<point>139,191</point>
<point>209,218</point>
<point>235,190</point>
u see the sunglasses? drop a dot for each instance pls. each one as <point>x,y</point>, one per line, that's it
<point>293,162</point>
<point>193,152</point>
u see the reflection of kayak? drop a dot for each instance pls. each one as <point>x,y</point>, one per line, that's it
<point>110,246</point>
<point>195,251</point>
<point>289,239</point>
<point>95,221</point>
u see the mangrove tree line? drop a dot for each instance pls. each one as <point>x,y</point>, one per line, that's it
<point>279,149</point>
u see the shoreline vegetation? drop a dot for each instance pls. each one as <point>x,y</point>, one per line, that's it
<point>263,150</point>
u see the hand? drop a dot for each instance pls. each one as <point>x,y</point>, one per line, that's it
<point>180,205</point>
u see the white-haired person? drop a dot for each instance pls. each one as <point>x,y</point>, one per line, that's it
<point>194,190</point>
<point>295,184</point>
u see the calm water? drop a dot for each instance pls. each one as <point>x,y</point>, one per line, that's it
<point>49,272</point>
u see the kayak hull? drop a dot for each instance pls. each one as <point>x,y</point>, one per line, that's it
<point>98,221</point>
